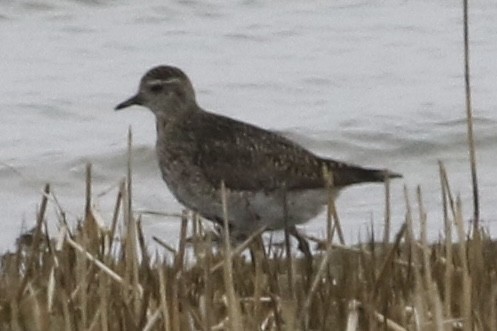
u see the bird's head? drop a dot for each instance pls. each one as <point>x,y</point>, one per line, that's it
<point>163,89</point>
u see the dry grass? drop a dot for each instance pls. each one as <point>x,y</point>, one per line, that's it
<point>94,278</point>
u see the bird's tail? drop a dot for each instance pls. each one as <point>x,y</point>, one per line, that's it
<point>346,174</point>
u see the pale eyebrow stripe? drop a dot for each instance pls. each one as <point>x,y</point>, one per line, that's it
<point>164,81</point>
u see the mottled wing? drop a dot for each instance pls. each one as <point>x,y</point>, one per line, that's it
<point>250,158</point>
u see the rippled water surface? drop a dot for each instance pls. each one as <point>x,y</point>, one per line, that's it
<point>379,84</point>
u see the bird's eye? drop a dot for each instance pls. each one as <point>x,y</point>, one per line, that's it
<point>156,88</point>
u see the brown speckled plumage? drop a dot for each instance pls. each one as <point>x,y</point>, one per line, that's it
<point>199,149</point>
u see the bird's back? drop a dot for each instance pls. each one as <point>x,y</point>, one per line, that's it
<point>247,157</point>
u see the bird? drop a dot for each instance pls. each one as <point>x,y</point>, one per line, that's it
<point>269,181</point>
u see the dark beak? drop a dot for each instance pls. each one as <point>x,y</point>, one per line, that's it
<point>135,100</point>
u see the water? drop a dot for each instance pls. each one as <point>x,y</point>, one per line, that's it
<point>379,84</point>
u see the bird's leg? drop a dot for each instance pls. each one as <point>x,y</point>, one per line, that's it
<point>258,252</point>
<point>303,243</point>
<point>304,248</point>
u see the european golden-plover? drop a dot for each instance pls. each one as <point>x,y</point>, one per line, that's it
<point>261,170</point>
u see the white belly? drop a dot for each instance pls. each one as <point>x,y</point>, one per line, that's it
<point>249,211</point>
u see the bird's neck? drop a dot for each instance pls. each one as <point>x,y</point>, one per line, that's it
<point>167,117</point>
